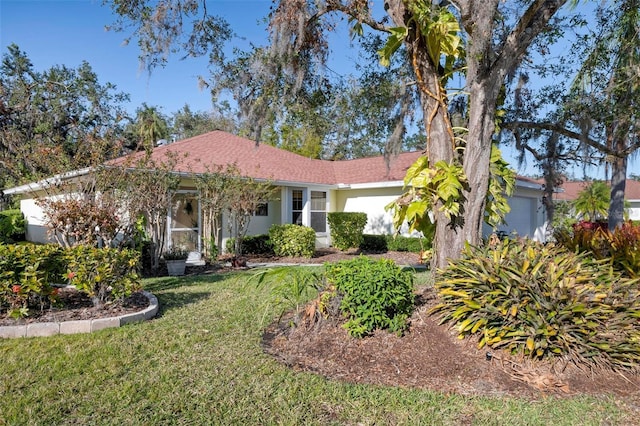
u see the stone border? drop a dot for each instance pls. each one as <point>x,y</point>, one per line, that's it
<point>42,329</point>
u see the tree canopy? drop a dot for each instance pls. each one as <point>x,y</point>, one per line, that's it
<point>482,41</point>
<point>55,120</point>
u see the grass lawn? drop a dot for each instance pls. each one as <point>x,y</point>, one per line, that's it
<point>200,363</point>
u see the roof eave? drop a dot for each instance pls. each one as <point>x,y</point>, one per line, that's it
<point>46,183</point>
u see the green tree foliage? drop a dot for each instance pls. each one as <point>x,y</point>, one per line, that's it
<point>593,201</point>
<point>55,120</point>
<point>186,123</point>
<point>590,115</point>
<point>148,128</point>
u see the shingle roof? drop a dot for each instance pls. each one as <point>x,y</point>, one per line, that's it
<point>202,153</point>
<point>264,161</point>
<point>571,189</point>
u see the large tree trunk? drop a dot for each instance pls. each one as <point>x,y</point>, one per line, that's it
<point>618,184</point>
<point>487,66</point>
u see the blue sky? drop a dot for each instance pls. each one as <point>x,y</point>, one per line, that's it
<point>67,32</point>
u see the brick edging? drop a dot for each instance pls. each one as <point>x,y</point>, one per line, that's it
<point>42,329</point>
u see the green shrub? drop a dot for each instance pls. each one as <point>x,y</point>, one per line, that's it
<point>104,274</point>
<point>346,229</point>
<point>376,294</point>
<point>12,226</point>
<point>252,244</point>
<point>410,244</point>
<point>293,240</point>
<point>542,301</point>
<point>27,273</point>
<point>374,244</point>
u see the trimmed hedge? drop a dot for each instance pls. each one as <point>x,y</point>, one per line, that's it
<point>252,244</point>
<point>410,244</point>
<point>374,244</point>
<point>346,229</point>
<point>293,240</point>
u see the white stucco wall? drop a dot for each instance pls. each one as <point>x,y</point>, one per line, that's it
<point>34,216</point>
<point>634,209</point>
<point>526,217</point>
<point>372,202</point>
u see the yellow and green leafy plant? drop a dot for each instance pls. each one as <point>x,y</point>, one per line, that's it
<point>542,301</point>
<point>27,275</point>
<point>104,274</point>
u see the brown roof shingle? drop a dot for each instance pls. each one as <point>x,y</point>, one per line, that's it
<point>201,153</point>
<point>264,161</point>
<point>571,189</point>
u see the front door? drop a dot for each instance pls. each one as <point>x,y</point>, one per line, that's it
<point>184,224</point>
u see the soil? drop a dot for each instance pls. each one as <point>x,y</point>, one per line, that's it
<point>430,356</point>
<point>427,356</point>
<point>73,305</point>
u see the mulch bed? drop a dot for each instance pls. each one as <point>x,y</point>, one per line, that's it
<point>73,305</point>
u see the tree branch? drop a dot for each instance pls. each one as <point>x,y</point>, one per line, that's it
<point>518,41</point>
<point>513,126</point>
<point>358,13</point>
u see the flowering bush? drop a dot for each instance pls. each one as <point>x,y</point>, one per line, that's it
<point>621,247</point>
<point>103,274</point>
<point>29,273</point>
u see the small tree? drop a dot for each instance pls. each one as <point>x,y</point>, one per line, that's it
<point>144,187</point>
<point>593,201</point>
<point>248,194</point>
<point>78,213</point>
<point>216,190</point>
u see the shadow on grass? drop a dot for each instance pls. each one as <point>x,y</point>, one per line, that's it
<point>170,300</point>
<point>157,285</point>
<point>169,292</point>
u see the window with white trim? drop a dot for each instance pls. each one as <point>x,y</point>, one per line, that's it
<point>319,211</point>
<point>296,206</point>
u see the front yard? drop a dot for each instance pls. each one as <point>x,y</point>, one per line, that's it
<point>201,362</point>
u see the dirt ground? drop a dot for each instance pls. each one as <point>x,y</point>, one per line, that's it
<point>428,356</point>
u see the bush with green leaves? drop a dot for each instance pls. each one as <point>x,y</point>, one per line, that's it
<point>293,240</point>
<point>252,244</point>
<point>410,244</point>
<point>376,294</point>
<point>374,244</point>
<point>291,287</point>
<point>12,226</point>
<point>542,301</point>
<point>346,229</point>
<point>27,273</point>
<point>104,274</point>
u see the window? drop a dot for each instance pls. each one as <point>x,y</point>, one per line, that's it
<point>262,209</point>
<point>296,206</point>
<point>319,211</point>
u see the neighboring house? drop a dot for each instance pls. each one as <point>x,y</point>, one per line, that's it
<point>570,190</point>
<point>309,189</point>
